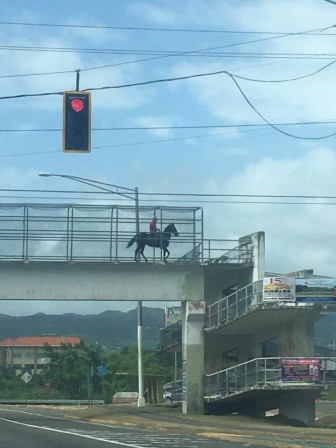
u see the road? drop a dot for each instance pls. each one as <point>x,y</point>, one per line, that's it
<point>326,406</point>
<point>41,429</point>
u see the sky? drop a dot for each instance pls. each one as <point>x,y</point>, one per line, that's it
<point>254,123</point>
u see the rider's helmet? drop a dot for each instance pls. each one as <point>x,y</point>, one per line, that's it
<point>154,218</point>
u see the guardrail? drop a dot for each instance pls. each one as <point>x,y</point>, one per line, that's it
<point>215,253</point>
<point>262,373</point>
<point>235,305</point>
<point>51,402</point>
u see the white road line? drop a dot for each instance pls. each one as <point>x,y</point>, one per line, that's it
<point>45,428</point>
<point>62,418</point>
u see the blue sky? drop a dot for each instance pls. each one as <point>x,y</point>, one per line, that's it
<point>233,160</point>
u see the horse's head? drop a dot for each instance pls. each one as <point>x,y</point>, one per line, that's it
<point>172,229</point>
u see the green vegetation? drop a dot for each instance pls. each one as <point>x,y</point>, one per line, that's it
<point>72,373</point>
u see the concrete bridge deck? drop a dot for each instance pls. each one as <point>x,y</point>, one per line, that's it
<point>89,281</point>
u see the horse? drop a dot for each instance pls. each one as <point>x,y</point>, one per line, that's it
<point>158,239</point>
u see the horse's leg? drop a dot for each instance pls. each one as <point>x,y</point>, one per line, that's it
<point>142,253</point>
<point>136,253</point>
<point>166,251</point>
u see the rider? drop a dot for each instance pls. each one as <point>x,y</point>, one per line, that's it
<point>152,227</point>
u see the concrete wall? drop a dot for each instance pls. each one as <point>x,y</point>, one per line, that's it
<point>100,281</point>
<point>297,338</point>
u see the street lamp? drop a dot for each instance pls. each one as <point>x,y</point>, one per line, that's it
<point>127,193</point>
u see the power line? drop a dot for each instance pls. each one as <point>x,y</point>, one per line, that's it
<point>197,195</point>
<point>199,52</point>
<point>276,128</point>
<point>119,145</point>
<point>179,78</point>
<point>175,201</point>
<point>169,53</point>
<point>199,126</point>
<point>137,28</point>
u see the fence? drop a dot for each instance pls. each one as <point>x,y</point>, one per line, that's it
<point>261,373</point>
<point>68,232</point>
<point>235,305</point>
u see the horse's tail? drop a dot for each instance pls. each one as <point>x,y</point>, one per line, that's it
<point>133,240</point>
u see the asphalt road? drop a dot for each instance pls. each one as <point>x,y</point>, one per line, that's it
<point>41,429</point>
<point>326,406</point>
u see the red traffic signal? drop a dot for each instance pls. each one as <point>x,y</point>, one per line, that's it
<point>77,121</point>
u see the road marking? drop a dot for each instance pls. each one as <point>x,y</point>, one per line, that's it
<point>46,428</point>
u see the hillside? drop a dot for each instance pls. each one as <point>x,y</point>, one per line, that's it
<point>114,329</point>
<point>117,329</point>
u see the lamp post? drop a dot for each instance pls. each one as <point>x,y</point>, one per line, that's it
<point>125,192</point>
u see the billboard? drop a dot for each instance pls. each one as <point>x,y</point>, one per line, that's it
<point>300,369</point>
<point>280,289</point>
<point>172,314</point>
<point>315,289</point>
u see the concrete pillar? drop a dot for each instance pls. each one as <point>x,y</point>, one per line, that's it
<point>255,243</point>
<point>193,319</point>
<point>297,338</point>
<point>299,405</point>
<point>258,253</point>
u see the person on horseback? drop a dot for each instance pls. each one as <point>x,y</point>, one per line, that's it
<point>153,229</point>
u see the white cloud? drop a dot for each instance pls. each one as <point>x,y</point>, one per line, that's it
<point>156,121</point>
<point>297,236</point>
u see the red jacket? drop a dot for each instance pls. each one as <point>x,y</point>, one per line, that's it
<point>152,226</point>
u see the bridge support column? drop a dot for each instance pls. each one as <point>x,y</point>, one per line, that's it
<point>299,406</point>
<point>193,318</point>
<point>297,338</point>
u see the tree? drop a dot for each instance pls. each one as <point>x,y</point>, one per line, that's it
<point>72,367</point>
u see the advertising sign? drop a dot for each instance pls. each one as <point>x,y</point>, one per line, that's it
<point>172,314</point>
<point>300,369</point>
<point>315,289</point>
<point>280,289</point>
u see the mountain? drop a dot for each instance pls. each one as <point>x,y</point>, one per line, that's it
<point>113,329</point>
<point>117,329</point>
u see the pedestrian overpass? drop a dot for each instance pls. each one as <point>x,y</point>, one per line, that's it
<point>78,252</point>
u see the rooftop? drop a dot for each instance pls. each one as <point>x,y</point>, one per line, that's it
<point>39,341</point>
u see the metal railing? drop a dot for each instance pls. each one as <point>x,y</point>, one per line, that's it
<point>235,305</point>
<point>261,373</point>
<point>68,232</point>
<point>76,232</point>
<point>216,253</point>
<point>171,335</point>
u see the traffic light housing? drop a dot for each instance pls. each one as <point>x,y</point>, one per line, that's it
<point>77,121</point>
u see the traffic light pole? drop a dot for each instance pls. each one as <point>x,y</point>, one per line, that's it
<point>77,80</point>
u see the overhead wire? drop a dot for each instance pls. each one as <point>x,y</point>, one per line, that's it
<point>179,78</point>
<point>137,28</point>
<point>232,76</point>
<point>174,201</point>
<point>182,127</point>
<point>199,52</point>
<point>169,194</point>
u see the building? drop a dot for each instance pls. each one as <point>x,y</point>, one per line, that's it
<point>252,340</point>
<point>28,352</point>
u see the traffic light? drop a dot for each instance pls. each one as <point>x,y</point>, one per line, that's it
<point>77,121</point>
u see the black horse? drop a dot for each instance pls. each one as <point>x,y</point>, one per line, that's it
<point>158,239</point>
